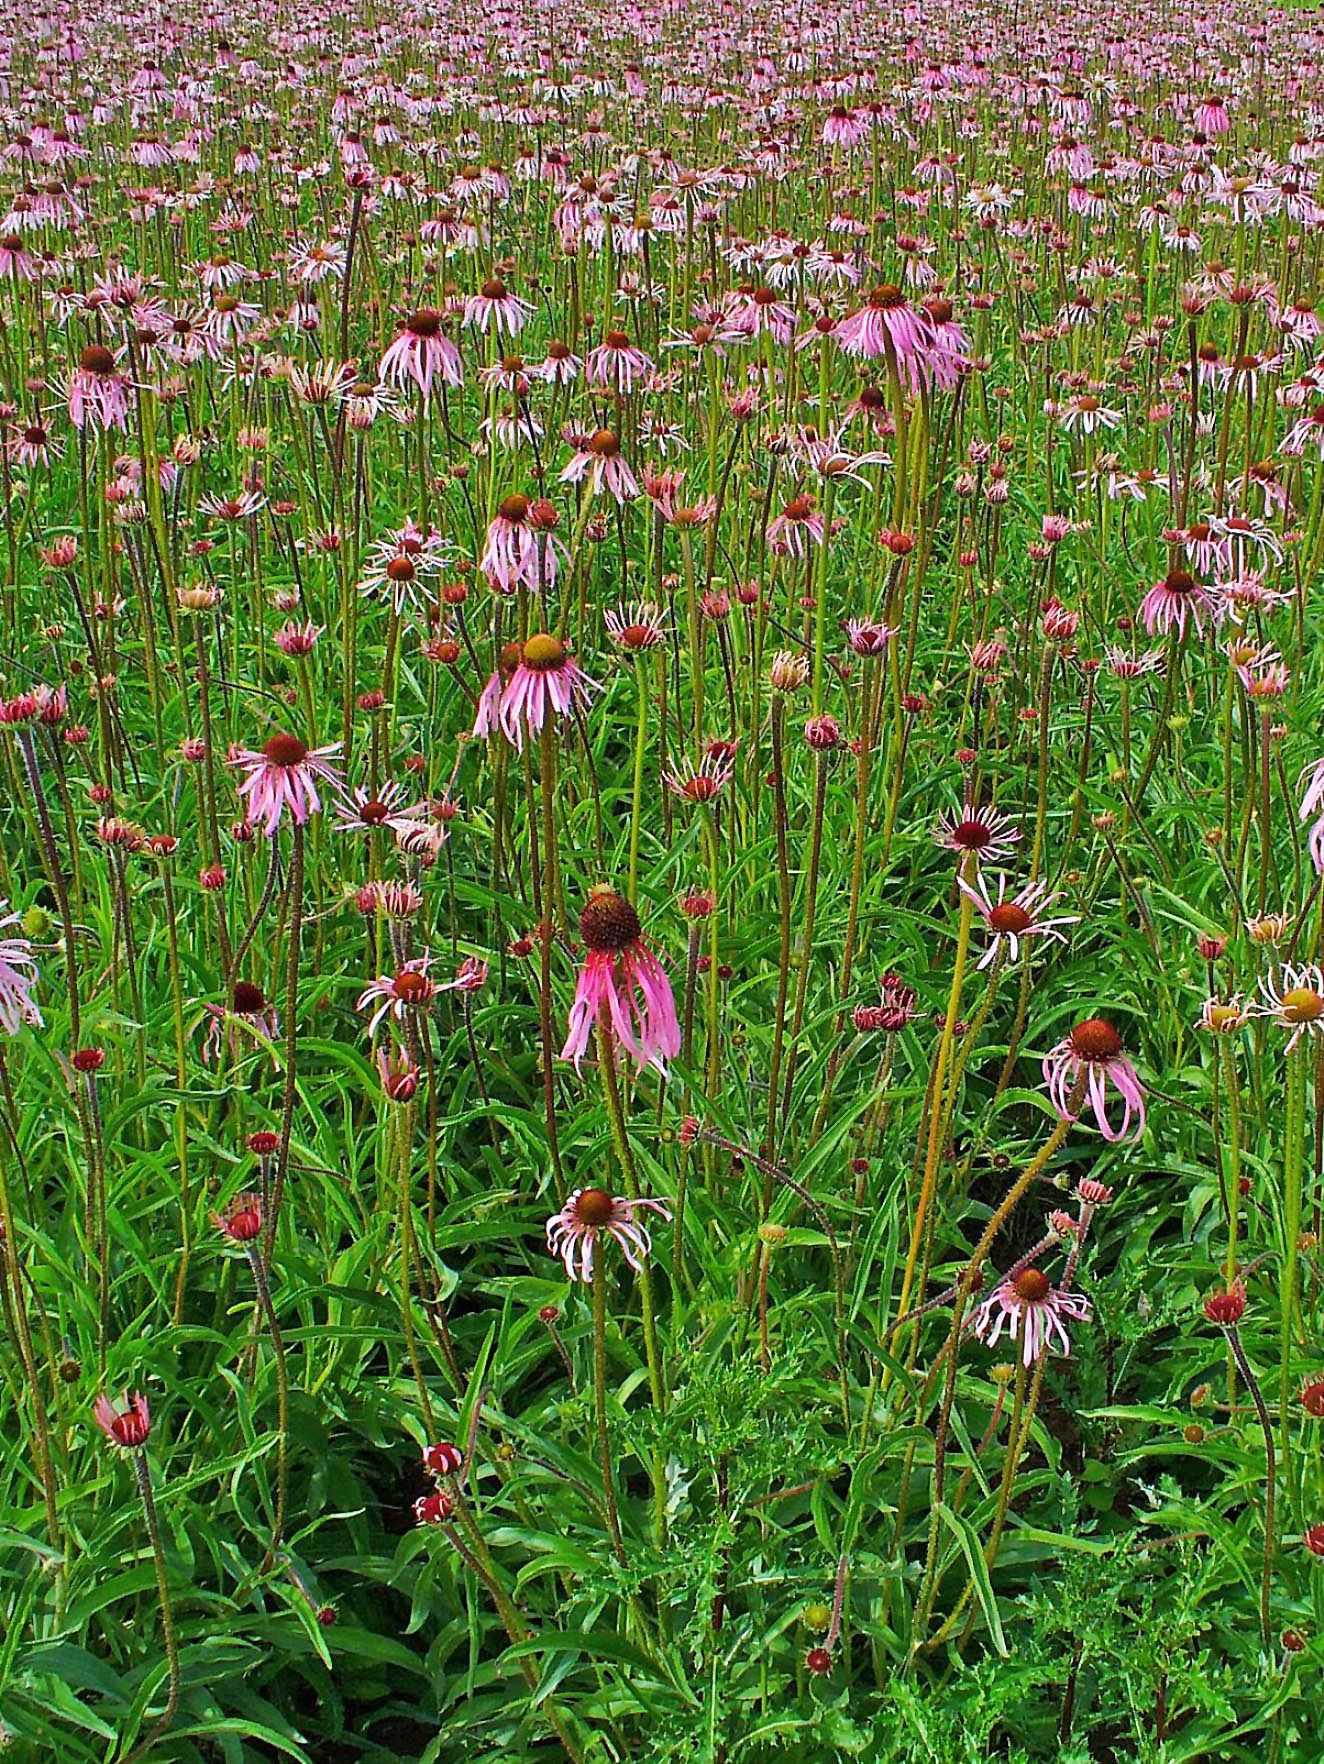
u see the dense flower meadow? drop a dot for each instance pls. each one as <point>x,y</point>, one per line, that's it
<point>662,961</point>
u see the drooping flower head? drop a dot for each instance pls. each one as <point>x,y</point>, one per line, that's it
<point>622,986</point>
<point>422,352</point>
<point>284,775</point>
<point>1294,999</point>
<point>546,680</point>
<point>592,1213</point>
<point>17,978</point>
<point>1094,1049</point>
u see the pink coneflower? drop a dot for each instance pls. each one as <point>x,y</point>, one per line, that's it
<point>1011,920</point>
<point>560,367</point>
<point>869,636</point>
<point>422,352</point>
<point>32,445</point>
<point>1294,999</point>
<point>598,459</point>
<point>284,775</point>
<point>1029,1306</point>
<point>546,680</point>
<point>845,128</point>
<point>18,976</point>
<point>1313,776</point>
<point>1176,602</point>
<point>294,639</point>
<point>127,1427</point>
<point>757,312</point>
<point>98,392</point>
<point>242,1221</point>
<point>798,526</point>
<point>410,988</point>
<point>623,983</point>
<point>521,548</point>
<point>1095,1048</point>
<point>496,309</point>
<point>616,363</point>
<point>888,318</point>
<point>983,831</point>
<point>592,1213</point>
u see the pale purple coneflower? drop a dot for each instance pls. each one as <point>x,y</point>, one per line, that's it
<point>1031,1308</point>
<point>422,353</point>
<point>590,1214</point>
<point>284,775</point>
<point>1094,1049</point>
<point>980,830</point>
<point>409,988</point>
<point>1294,999</point>
<point>621,985</point>
<point>1011,920</point>
<point>546,681</point>
<point>17,978</point>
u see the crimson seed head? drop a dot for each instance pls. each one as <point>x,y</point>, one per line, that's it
<point>244,1220</point>
<point>88,1059</point>
<point>284,750</point>
<point>594,1207</point>
<point>263,1144</point>
<point>1226,1308</point>
<point>96,359</point>
<point>819,1661</point>
<point>1032,1285</point>
<point>1314,1540</point>
<point>434,1508</point>
<point>1293,1641</point>
<point>1094,1039</point>
<point>247,1000</point>
<point>608,923</point>
<point>1210,948</point>
<point>1312,1398</point>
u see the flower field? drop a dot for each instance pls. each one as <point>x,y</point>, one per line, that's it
<point>662,858</point>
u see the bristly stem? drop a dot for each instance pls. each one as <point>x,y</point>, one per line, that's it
<point>1270,1473</point>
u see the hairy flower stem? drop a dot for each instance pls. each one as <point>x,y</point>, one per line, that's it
<point>937,1105</point>
<point>807,937</point>
<point>547,782</point>
<point>637,784</point>
<point>262,1287</point>
<point>294,896</point>
<point>966,1287</point>
<point>784,935</point>
<point>1270,1471</point>
<point>600,1398</point>
<point>1293,1157</point>
<point>169,1635</point>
